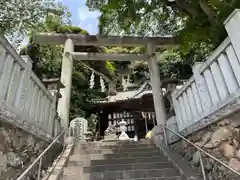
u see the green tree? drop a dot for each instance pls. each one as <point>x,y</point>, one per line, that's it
<point>47,63</point>
<point>197,23</point>
<point>18,17</point>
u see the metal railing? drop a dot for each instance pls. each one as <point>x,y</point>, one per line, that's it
<point>199,151</point>
<point>39,160</point>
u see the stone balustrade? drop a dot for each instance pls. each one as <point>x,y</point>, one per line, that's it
<point>24,100</point>
<point>215,84</point>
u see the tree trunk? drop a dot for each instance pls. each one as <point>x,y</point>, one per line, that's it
<point>208,11</point>
<point>185,8</point>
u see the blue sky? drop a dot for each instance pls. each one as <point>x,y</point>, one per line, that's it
<point>81,16</point>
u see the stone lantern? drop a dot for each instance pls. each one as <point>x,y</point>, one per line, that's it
<point>123,128</point>
<point>53,85</point>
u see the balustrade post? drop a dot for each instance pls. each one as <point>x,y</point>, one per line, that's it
<point>202,87</point>
<point>52,116</point>
<point>21,97</point>
<point>6,74</point>
<point>177,109</point>
<point>232,26</point>
<point>2,59</point>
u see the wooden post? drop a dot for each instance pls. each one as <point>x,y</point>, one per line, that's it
<point>156,86</point>
<point>66,79</point>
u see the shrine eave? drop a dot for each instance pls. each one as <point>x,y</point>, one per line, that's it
<point>121,101</point>
<point>97,40</point>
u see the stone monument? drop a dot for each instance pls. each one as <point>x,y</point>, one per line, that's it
<point>110,132</point>
<point>123,128</point>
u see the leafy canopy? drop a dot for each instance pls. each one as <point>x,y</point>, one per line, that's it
<point>197,23</point>
<point>18,17</point>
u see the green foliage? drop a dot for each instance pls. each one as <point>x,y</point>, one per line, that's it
<point>18,17</point>
<point>47,63</point>
<point>198,24</point>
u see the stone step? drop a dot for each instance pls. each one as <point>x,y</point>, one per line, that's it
<point>97,144</point>
<point>98,147</point>
<point>134,150</point>
<point>116,143</point>
<point>156,178</point>
<point>92,151</point>
<point>78,157</point>
<point>76,177</point>
<point>123,167</point>
<point>141,154</point>
<point>129,160</point>
<point>132,174</point>
<point>114,150</point>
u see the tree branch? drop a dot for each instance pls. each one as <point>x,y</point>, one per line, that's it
<point>185,8</point>
<point>208,11</point>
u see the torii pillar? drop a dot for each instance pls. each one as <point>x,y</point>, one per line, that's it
<point>156,86</point>
<point>66,79</point>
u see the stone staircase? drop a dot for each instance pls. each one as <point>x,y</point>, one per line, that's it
<point>119,160</point>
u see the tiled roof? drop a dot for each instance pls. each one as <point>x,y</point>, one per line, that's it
<point>126,95</point>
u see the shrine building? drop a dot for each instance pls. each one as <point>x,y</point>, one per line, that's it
<point>135,106</point>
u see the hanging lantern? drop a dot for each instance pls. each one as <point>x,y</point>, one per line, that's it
<point>92,82</point>
<point>102,84</point>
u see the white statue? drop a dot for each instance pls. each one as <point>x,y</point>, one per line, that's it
<point>123,128</point>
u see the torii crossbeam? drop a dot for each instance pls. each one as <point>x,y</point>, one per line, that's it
<point>108,56</point>
<point>95,40</point>
<point>70,40</point>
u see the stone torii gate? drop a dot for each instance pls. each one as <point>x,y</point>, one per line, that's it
<point>69,40</point>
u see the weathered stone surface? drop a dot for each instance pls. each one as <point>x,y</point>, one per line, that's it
<point>238,154</point>
<point>224,122</point>
<point>196,158</point>
<point>206,137</point>
<point>235,164</point>
<point>18,149</point>
<point>208,164</point>
<point>9,117</point>
<point>222,140</point>
<point>221,134</point>
<point>227,150</point>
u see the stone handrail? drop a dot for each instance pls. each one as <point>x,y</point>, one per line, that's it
<point>211,87</point>
<point>22,93</point>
